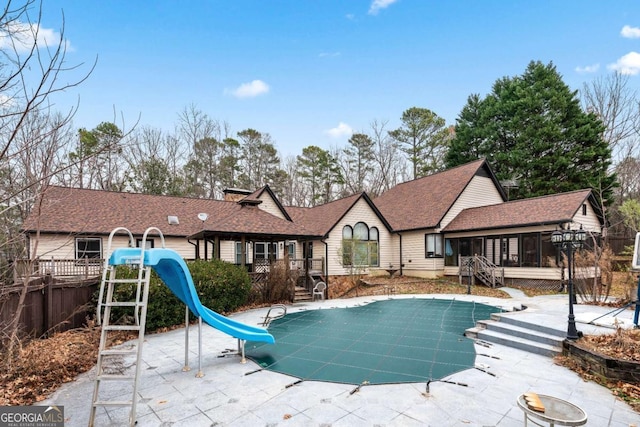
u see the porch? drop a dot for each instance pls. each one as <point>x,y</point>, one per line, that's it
<point>72,269</point>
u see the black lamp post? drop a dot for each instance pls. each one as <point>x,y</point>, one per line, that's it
<point>570,240</point>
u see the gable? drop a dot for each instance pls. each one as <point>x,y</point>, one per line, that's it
<point>424,202</point>
<point>545,210</point>
<point>481,191</point>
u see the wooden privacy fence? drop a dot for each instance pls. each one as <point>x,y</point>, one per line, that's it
<point>50,304</point>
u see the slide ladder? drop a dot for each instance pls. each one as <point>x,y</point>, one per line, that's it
<point>108,367</point>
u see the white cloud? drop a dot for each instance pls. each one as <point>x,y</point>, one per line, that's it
<point>328,54</point>
<point>629,64</point>
<point>341,130</point>
<point>249,90</point>
<point>378,5</point>
<point>630,32</point>
<point>350,16</point>
<point>24,35</point>
<point>588,68</point>
<point>6,101</point>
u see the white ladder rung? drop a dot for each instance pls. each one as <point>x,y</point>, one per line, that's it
<point>123,304</point>
<point>113,403</point>
<point>115,377</point>
<point>131,281</point>
<point>118,352</point>
<point>121,327</point>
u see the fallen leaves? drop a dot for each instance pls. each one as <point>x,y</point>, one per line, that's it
<point>42,365</point>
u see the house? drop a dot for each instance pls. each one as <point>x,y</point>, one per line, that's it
<point>425,227</point>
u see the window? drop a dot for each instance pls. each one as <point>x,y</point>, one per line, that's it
<point>261,249</point>
<point>360,245</point>
<point>433,245</point>
<point>88,248</point>
<point>530,250</point>
<point>239,254</point>
<point>291,249</point>
<point>584,209</point>
<point>150,243</point>
<point>451,252</point>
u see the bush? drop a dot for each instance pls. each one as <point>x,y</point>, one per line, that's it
<point>278,285</point>
<point>221,286</point>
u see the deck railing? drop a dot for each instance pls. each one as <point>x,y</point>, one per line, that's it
<point>92,267</point>
<point>480,267</point>
<point>78,268</point>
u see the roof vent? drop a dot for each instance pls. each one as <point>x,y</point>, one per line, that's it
<point>173,220</point>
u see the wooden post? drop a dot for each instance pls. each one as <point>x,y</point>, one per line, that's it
<point>48,303</point>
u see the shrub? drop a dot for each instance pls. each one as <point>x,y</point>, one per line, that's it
<point>164,308</point>
<point>278,285</point>
<point>221,286</point>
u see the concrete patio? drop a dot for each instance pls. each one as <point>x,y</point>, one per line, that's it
<point>235,394</point>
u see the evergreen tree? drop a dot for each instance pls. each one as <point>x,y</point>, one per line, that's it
<point>531,129</point>
<point>424,138</point>
<point>357,162</point>
<point>320,171</point>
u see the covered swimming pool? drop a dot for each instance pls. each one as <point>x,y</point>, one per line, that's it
<point>390,341</point>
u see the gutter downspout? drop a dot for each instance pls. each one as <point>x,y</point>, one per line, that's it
<point>326,265</point>
<point>401,264</point>
<point>196,247</point>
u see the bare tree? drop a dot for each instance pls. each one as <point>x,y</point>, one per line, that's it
<point>31,68</point>
<point>616,104</point>
<point>389,167</point>
<point>154,162</point>
<point>295,193</point>
<point>195,125</point>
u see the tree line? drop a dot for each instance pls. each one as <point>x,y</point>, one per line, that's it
<point>538,135</point>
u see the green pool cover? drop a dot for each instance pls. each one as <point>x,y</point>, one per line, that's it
<point>392,341</point>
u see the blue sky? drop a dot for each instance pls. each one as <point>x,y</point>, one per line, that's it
<point>311,72</point>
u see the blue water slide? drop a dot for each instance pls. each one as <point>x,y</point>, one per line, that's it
<point>173,271</point>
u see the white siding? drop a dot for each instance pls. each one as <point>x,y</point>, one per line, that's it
<point>269,205</point>
<point>62,246</point>
<point>589,221</point>
<point>360,212</point>
<point>413,256</point>
<point>228,251</point>
<point>502,231</point>
<point>481,191</point>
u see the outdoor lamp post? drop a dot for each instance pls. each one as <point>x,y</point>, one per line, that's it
<point>569,240</point>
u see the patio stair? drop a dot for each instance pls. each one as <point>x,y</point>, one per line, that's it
<point>301,294</point>
<point>516,333</point>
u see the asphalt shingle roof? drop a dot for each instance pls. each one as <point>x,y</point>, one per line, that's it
<point>73,210</point>
<point>423,202</point>
<point>321,219</point>
<point>552,209</point>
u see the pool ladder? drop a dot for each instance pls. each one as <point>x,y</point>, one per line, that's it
<point>268,318</point>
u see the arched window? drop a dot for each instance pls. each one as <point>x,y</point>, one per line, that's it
<point>347,232</point>
<point>360,245</point>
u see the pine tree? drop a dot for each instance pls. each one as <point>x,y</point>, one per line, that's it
<point>532,129</point>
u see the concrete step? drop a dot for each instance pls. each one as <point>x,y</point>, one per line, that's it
<point>514,332</point>
<point>514,320</point>
<point>520,331</point>
<point>519,343</point>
